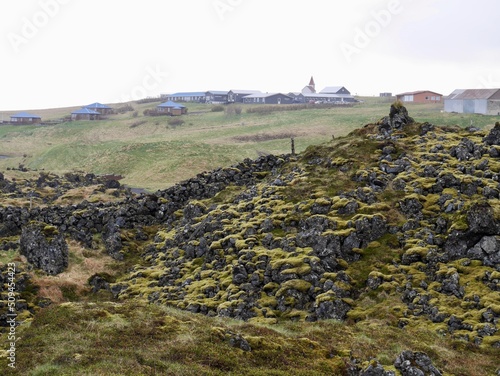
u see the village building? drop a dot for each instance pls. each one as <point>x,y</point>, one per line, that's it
<point>473,101</point>
<point>330,94</point>
<point>101,108</point>
<point>421,96</point>
<point>171,108</point>
<point>216,96</point>
<point>236,96</point>
<point>195,96</point>
<point>268,98</point>
<point>85,114</point>
<point>25,118</point>
<point>309,89</point>
<point>339,90</point>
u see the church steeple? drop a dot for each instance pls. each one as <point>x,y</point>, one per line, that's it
<point>311,88</point>
<point>312,84</point>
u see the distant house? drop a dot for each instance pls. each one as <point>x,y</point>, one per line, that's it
<point>385,95</point>
<point>236,96</point>
<point>473,101</point>
<point>85,114</point>
<point>25,118</point>
<point>421,96</point>
<point>195,96</point>
<point>216,96</point>
<point>101,108</point>
<point>268,98</point>
<point>171,108</point>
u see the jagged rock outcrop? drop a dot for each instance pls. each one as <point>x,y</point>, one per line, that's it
<point>397,119</point>
<point>493,138</point>
<point>44,247</point>
<point>415,364</point>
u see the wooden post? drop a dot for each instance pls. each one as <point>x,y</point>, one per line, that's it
<point>293,145</point>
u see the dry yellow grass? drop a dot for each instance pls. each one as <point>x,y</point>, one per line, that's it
<point>82,265</point>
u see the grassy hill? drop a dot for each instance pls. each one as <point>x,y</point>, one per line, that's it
<point>357,254</point>
<point>151,154</point>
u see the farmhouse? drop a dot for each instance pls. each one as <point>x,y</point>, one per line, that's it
<point>171,108</point>
<point>268,98</point>
<point>25,118</point>
<point>421,96</point>
<point>101,108</point>
<point>473,101</point>
<point>236,96</point>
<point>85,114</point>
<point>196,96</point>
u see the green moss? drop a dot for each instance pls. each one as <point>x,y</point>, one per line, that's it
<point>293,284</point>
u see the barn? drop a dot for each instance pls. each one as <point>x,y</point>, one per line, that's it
<point>420,96</point>
<point>473,101</point>
<point>25,118</point>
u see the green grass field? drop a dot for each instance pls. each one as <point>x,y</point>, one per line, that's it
<point>151,154</point>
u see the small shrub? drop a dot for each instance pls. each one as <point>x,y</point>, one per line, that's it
<point>137,123</point>
<point>175,121</point>
<point>218,108</point>
<point>233,110</point>
<point>123,109</point>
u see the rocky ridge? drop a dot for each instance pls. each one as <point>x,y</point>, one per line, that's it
<point>399,221</point>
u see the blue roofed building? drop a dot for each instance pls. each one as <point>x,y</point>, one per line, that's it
<point>99,107</point>
<point>85,114</point>
<point>171,108</point>
<point>25,118</point>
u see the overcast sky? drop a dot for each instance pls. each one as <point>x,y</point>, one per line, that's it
<point>58,53</point>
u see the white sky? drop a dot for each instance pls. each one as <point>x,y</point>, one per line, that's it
<point>57,53</point>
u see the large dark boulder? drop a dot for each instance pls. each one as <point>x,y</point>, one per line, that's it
<point>397,119</point>
<point>493,138</point>
<point>44,247</point>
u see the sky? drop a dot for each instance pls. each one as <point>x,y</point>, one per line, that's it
<point>60,53</point>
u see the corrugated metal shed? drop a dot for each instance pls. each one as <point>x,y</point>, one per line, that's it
<point>476,94</point>
<point>454,93</point>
